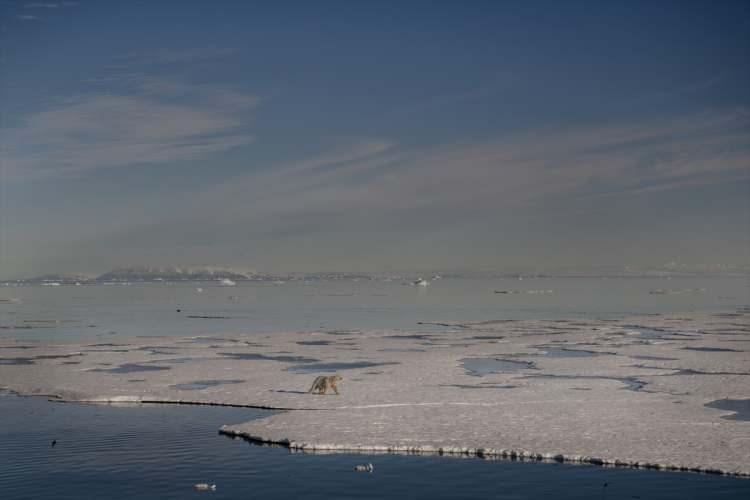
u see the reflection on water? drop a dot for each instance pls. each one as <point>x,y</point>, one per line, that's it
<point>561,352</point>
<point>710,349</point>
<point>333,367</point>
<point>199,385</point>
<point>131,368</point>
<point>483,366</point>
<point>16,361</point>
<point>255,356</point>
<point>740,407</point>
<point>630,383</point>
<point>161,451</point>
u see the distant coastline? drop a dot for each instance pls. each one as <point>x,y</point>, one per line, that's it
<point>144,274</point>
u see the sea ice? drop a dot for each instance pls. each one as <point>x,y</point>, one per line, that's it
<point>557,407</point>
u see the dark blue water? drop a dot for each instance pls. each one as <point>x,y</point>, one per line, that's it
<point>740,407</point>
<point>161,451</point>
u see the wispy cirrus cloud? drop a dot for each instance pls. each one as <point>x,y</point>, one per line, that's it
<point>153,121</point>
<point>39,7</point>
<point>375,186</point>
<point>374,201</point>
<point>49,5</point>
<point>529,168</point>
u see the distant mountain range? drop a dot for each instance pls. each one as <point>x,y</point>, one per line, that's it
<point>130,274</point>
<point>171,274</point>
<point>63,279</point>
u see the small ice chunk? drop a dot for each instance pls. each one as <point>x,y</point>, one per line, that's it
<point>205,487</point>
<point>364,468</point>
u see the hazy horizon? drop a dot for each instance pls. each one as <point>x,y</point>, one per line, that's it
<point>671,269</point>
<point>377,137</point>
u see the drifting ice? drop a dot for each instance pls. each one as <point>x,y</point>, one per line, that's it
<point>604,408</point>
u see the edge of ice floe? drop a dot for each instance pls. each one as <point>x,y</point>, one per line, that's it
<point>82,398</point>
<point>141,400</point>
<point>477,452</point>
<point>489,453</point>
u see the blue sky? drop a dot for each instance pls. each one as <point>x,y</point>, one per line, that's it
<point>303,136</point>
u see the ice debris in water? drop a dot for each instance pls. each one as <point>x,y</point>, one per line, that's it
<point>205,487</point>
<point>364,468</point>
<point>227,282</point>
<point>669,291</point>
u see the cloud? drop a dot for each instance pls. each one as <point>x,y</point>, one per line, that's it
<point>590,160</point>
<point>370,201</point>
<point>49,5</point>
<point>156,121</point>
<point>426,189</point>
<point>376,187</point>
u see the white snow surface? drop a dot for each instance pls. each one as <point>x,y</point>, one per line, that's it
<point>636,397</point>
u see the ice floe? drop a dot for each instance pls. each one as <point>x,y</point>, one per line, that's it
<point>658,391</point>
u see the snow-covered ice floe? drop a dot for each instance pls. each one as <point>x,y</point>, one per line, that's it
<point>633,399</point>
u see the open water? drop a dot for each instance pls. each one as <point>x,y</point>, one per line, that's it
<point>73,313</point>
<point>162,451</point>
